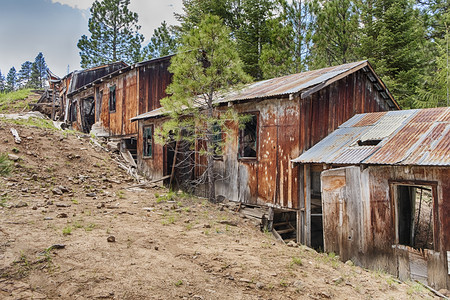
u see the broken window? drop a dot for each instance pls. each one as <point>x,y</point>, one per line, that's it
<point>112,98</point>
<point>415,216</point>
<point>148,141</point>
<point>248,138</point>
<point>217,140</point>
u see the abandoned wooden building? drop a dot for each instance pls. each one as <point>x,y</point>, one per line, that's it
<point>290,115</point>
<point>55,102</point>
<point>378,188</point>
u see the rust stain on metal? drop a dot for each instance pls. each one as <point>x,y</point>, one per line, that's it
<point>370,119</point>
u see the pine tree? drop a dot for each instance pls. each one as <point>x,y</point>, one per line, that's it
<point>11,80</point>
<point>335,32</point>
<point>435,88</point>
<point>2,83</point>
<point>38,72</point>
<point>114,34</point>
<point>206,65</point>
<point>288,47</point>
<point>253,33</point>
<point>24,75</point>
<point>162,43</point>
<point>394,42</point>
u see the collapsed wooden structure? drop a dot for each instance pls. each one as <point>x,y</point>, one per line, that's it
<point>381,183</point>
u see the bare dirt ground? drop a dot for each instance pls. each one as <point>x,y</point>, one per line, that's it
<point>64,199</point>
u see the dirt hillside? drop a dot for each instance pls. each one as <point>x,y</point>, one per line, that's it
<point>71,228</point>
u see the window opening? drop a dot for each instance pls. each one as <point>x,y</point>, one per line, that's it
<point>148,141</point>
<point>415,222</point>
<point>217,140</point>
<point>112,98</point>
<point>248,138</point>
<point>73,112</point>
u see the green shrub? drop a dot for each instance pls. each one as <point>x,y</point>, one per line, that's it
<point>5,164</point>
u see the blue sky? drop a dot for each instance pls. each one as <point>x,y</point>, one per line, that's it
<point>54,27</point>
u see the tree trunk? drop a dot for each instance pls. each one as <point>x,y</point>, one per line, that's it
<point>210,155</point>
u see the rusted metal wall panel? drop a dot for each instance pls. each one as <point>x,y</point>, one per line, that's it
<point>378,249</point>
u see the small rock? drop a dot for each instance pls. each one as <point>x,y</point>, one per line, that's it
<point>111,239</point>
<point>100,205</point>
<point>206,226</point>
<point>91,194</point>
<point>297,284</point>
<point>63,189</point>
<point>292,244</point>
<point>156,248</point>
<point>349,263</point>
<point>246,280</point>
<point>57,191</point>
<point>338,280</point>
<point>25,190</point>
<point>21,204</point>
<point>49,203</point>
<point>62,215</point>
<point>13,157</point>
<point>34,207</point>
<point>259,285</point>
<point>62,205</point>
<point>48,218</point>
<point>34,177</point>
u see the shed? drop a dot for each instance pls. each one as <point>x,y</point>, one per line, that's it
<point>382,186</point>
<point>290,114</point>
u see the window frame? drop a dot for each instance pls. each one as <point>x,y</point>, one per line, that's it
<point>255,114</point>
<point>393,189</point>
<point>145,141</point>
<point>112,100</point>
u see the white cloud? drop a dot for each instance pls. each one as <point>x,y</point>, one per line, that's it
<point>151,12</point>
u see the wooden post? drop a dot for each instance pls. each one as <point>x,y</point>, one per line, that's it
<point>53,104</point>
<point>307,193</point>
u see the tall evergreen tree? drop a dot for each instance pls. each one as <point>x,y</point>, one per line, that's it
<point>2,82</point>
<point>394,40</point>
<point>38,71</point>
<point>288,47</point>
<point>162,43</point>
<point>24,75</point>
<point>114,34</point>
<point>253,33</point>
<point>435,83</point>
<point>11,80</point>
<point>206,65</point>
<point>335,32</point>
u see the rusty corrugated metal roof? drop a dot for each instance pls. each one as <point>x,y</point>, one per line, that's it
<point>292,84</point>
<point>410,137</point>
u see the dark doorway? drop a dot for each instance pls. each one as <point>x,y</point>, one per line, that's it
<point>415,219</point>
<point>88,113</point>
